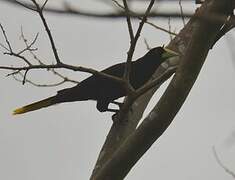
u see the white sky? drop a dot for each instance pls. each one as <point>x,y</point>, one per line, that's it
<point>63,141</point>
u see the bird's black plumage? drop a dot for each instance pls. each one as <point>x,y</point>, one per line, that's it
<point>105,90</point>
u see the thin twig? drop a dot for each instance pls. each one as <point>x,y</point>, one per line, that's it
<point>27,6</point>
<point>18,56</point>
<point>221,164</point>
<point>44,4</point>
<point>66,79</point>
<point>4,47</point>
<point>28,47</point>
<point>40,12</point>
<point>182,12</point>
<point>13,73</point>
<point>128,19</point>
<point>169,26</point>
<point>24,77</point>
<point>37,84</point>
<point>6,38</point>
<point>147,44</point>
<point>160,28</point>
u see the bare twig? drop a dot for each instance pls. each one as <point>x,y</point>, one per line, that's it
<point>64,80</point>
<point>169,26</point>
<point>161,29</point>
<point>4,47</point>
<point>29,46</point>
<point>25,5</point>
<point>6,39</point>
<point>147,44</point>
<point>227,170</point>
<point>13,73</point>
<point>144,19</point>
<point>37,84</point>
<point>44,4</point>
<point>24,77</point>
<point>182,12</point>
<point>40,12</point>
<point>128,19</point>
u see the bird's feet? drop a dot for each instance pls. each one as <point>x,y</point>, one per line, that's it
<point>120,114</point>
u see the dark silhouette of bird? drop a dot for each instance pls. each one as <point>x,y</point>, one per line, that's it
<point>105,90</point>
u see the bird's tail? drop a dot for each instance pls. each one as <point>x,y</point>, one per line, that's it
<point>37,105</point>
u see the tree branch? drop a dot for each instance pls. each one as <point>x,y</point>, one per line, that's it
<point>40,12</point>
<point>64,66</point>
<point>164,112</point>
<point>69,10</point>
<point>128,19</point>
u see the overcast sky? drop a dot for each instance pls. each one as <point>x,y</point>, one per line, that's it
<point>63,141</point>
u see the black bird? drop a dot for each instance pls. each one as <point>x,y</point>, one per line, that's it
<point>105,90</point>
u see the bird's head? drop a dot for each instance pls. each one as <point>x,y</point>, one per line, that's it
<point>161,53</point>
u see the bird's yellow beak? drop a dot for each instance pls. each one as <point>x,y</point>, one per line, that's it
<point>169,53</point>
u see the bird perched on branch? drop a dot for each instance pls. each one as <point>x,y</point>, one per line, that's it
<point>105,90</point>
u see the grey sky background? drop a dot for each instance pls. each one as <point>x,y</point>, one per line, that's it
<point>63,141</point>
